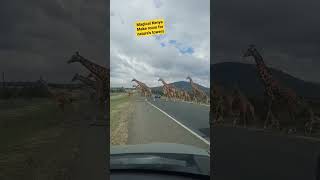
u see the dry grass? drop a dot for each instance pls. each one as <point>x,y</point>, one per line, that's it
<point>121,109</point>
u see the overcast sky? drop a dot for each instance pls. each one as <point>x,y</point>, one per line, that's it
<point>38,37</point>
<point>286,32</point>
<point>184,49</point>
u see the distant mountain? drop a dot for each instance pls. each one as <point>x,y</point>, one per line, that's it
<point>246,76</point>
<point>184,85</point>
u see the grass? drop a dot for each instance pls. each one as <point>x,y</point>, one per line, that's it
<point>120,108</point>
<point>34,131</point>
<point>22,118</point>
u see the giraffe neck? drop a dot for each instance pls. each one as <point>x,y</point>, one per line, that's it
<point>263,70</point>
<point>86,80</point>
<point>191,82</point>
<point>164,83</point>
<point>92,67</point>
<point>140,84</point>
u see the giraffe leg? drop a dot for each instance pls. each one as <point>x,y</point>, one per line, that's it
<point>292,129</point>
<point>235,122</point>
<point>274,121</point>
<point>265,126</point>
<point>245,119</point>
<point>309,124</point>
<point>268,115</point>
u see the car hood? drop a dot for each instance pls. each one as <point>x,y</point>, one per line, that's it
<point>158,148</point>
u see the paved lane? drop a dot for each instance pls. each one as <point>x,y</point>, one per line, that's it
<point>149,125</point>
<point>248,154</point>
<point>194,116</point>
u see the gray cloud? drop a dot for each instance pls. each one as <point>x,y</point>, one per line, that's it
<point>148,58</point>
<point>38,37</point>
<point>285,31</point>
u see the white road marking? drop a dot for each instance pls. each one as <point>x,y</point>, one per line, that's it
<point>192,132</point>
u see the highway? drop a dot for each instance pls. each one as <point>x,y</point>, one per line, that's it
<point>173,123</point>
<point>194,116</point>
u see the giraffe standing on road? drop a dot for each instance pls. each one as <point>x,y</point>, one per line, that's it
<point>278,94</point>
<point>139,89</point>
<point>221,105</point>
<point>146,90</point>
<point>169,91</point>
<point>242,104</point>
<point>198,94</point>
<point>186,96</point>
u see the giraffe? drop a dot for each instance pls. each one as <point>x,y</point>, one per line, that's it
<point>130,93</point>
<point>221,104</point>
<point>138,88</point>
<point>186,96</point>
<point>277,94</point>
<point>100,87</point>
<point>99,72</point>
<point>61,98</point>
<point>241,104</point>
<point>85,80</point>
<point>168,90</point>
<point>144,87</point>
<point>181,95</point>
<point>88,82</point>
<point>197,92</point>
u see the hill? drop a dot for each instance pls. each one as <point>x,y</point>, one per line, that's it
<point>246,76</point>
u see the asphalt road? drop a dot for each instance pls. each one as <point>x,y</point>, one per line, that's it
<point>194,116</point>
<point>247,154</point>
<point>147,125</point>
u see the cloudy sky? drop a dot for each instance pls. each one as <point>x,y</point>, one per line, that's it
<point>286,32</point>
<point>184,49</point>
<point>38,37</point>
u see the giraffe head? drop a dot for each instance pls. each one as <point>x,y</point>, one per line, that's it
<point>133,80</point>
<point>75,58</point>
<point>160,79</point>
<point>91,75</point>
<point>75,77</point>
<point>250,52</point>
<point>189,78</point>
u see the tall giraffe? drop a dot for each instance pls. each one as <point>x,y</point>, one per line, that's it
<point>99,71</point>
<point>168,90</point>
<point>277,94</point>
<point>198,94</point>
<point>145,88</point>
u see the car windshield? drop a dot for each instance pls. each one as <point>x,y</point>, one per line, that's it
<point>159,85</point>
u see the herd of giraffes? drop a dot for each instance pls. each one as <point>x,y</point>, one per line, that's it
<point>97,79</point>
<point>173,93</point>
<point>225,104</point>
